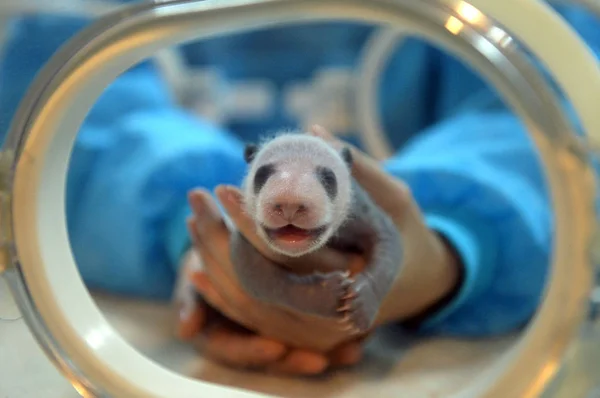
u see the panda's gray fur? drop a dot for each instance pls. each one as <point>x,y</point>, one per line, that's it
<point>313,150</point>
<point>356,224</point>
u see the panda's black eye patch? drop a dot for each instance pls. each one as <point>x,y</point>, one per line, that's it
<point>262,175</point>
<point>328,180</point>
<point>250,152</point>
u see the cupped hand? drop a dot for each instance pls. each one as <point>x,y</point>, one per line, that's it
<point>429,270</point>
<point>272,336</point>
<point>227,342</point>
<point>430,266</point>
<point>220,287</point>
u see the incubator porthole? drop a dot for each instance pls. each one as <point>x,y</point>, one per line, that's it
<point>99,360</point>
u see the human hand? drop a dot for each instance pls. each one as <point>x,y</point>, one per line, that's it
<point>430,267</point>
<point>219,286</point>
<point>226,342</point>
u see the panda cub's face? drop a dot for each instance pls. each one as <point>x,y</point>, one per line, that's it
<point>297,191</point>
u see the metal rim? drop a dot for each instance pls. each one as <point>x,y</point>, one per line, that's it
<point>374,59</point>
<point>51,114</point>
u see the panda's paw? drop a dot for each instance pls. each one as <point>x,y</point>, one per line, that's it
<point>359,307</point>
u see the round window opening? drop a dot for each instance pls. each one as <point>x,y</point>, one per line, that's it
<point>84,343</point>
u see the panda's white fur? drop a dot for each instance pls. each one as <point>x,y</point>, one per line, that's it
<point>295,157</point>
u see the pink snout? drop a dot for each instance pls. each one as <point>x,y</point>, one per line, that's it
<point>289,211</point>
<point>280,211</point>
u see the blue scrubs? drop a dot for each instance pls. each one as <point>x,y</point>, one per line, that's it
<point>467,158</point>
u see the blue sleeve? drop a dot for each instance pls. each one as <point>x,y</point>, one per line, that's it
<point>134,160</point>
<point>477,177</point>
<point>478,182</point>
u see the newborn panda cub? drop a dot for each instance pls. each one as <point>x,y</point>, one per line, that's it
<point>300,193</point>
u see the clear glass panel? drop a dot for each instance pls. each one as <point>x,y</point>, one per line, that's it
<point>177,121</point>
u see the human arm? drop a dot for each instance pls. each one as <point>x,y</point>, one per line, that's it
<point>478,183</point>
<point>477,178</point>
<point>135,158</point>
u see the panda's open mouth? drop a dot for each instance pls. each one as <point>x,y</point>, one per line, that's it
<point>293,234</point>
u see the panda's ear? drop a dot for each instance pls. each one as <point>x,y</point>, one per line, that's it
<point>347,156</point>
<point>250,152</point>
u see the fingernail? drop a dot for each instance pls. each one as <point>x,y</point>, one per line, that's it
<point>232,196</point>
<point>204,210</point>
<point>197,203</point>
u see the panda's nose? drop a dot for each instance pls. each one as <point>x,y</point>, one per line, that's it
<point>289,211</point>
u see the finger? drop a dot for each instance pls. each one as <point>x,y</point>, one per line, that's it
<point>209,222</point>
<point>321,132</point>
<point>209,265</point>
<point>300,362</point>
<point>211,235</point>
<point>191,319</point>
<point>231,199</point>
<point>209,247</point>
<point>388,192</point>
<point>207,290</point>
<point>213,297</point>
<point>224,295</point>
<point>239,349</point>
<point>391,194</point>
<point>347,354</point>
<point>190,223</point>
<point>189,309</point>
<point>218,272</point>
